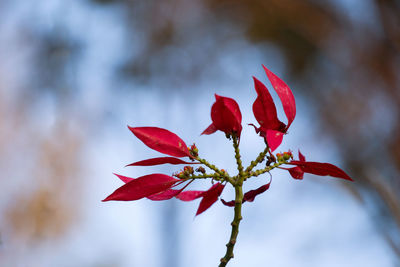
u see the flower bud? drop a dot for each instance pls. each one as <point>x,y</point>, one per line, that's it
<point>287,155</point>
<point>194,151</point>
<point>188,170</point>
<point>201,169</point>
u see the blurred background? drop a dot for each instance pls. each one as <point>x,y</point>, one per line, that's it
<point>73,74</point>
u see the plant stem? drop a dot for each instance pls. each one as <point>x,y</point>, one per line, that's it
<point>259,159</point>
<point>238,205</point>
<point>238,159</point>
<point>235,226</point>
<point>205,176</point>
<point>222,174</point>
<point>266,169</point>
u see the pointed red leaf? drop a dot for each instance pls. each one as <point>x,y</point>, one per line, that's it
<point>161,140</point>
<point>264,109</point>
<point>322,169</point>
<point>189,195</point>
<point>251,195</point>
<point>210,129</point>
<point>142,187</point>
<point>296,172</point>
<point>159,161</point>
<point>167,194</point>
<point>285,94</point>
<point>225,116</point>
<point>274,139</point>
<point>210,197</point>
<point>124,179</point>
<point>301,157</point>
<point>228,203</point>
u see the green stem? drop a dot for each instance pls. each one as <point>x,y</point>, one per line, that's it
<point>235,226</point>
<point>259,159</point>
<point>222,174</point>
<point>238,159</point>
<point>238,205</point>
<point>204,176</point>
<point>266,169</point>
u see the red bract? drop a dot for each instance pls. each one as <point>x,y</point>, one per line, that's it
<point>190,195</point>
<point>285,94</point>
<point>159,161</point>
<point>164,195</point>
<point>322,169</point>
<point>225,116</point>
<point>142,187</point>
<point>297,172</point>
<point>248,196</point>
<point>271,128</point>
<point>161,140</point>
<point>210,197</point>
<point>317,168</point>
<point>264,109</point>
<point>167,194</point>
<point>274,139</point>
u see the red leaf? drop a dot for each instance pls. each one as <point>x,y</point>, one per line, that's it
<point>229,204</point>
<point>274,139</point>
<point>189,195</point>
<point>159,161</point>
<point>264,109</point>
<point>161,140</point>
<point>301,157</point>
<point>285,94</point>
<point>296,172</point>
<point>226,116</point>
<point>251,195</point>
<point>322,169</point>
<point>210,197</point>
<point>210,129</point>
<point>124,178</point>
<point>167,194</point>
<point>142,187</point>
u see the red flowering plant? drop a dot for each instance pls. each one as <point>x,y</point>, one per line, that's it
<point>226,117</point>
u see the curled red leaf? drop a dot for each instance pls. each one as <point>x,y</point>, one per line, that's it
<point>248,196</point>
<point>161,140</point>
<point>285,94</point>
<point>296,172</point>
<point>210,197</point>
<point>264,108</point>
<point>225,116</point>
<point>159,161</point>
<point>322,169</point>
<point>251,195</point>
<point>228,203</point>
<point>142,187</point>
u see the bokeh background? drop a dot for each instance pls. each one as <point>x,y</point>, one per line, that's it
<point>73,74</point>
